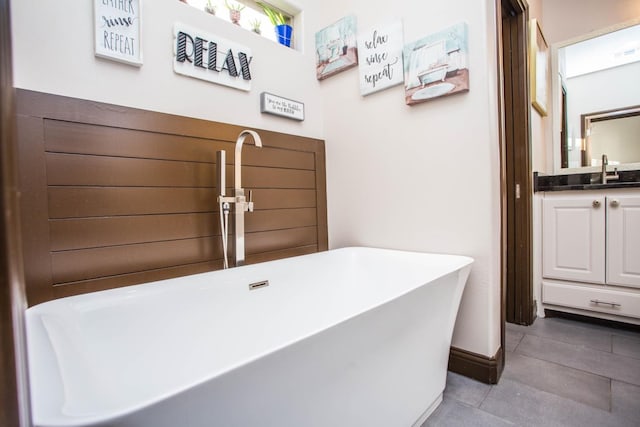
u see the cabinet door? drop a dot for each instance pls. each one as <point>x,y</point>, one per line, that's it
<point>623,241</point>
<point>573,239</point>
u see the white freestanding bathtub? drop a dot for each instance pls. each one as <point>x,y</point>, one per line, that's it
<point>349,337</point>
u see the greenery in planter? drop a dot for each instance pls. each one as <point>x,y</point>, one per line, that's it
<point>234,11</point>
<point>255,26</point>
<point>210,8</point>
<point>239,7</point>
<point>276,17</point>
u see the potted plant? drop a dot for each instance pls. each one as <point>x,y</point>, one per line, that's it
<point>210,8</point>
<point>255,26</point>
<point>279,21</point>
<point>234,11</point>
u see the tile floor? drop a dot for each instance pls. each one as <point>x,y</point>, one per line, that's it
<point>558,372</point>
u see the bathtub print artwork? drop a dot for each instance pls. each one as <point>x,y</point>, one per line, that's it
<point>437,65</point>
<point>336,48</point>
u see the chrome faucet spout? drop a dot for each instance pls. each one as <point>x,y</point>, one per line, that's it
<point>240,200</point>
<point>605,175</point>
<point>238,155</point>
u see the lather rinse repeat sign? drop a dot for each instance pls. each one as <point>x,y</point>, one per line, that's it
<point>117,30</point>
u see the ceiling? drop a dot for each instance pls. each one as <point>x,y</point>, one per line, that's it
<point>606,51</point>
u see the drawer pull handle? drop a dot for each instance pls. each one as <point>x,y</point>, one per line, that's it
<point>612,304</point>
<point>596,203</point>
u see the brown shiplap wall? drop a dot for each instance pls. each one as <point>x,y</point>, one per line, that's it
<point>114,196</point>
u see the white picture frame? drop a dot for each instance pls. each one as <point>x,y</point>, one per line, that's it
<point>380,57</point>
<point>336,47</point>
<point>117,29</point>
<point>437,65</point>
<point>539,67</point>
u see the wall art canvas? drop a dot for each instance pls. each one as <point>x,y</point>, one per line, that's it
<point>117,30</point>
<point>380,57</point>
<point>437,65</point>
<point>539,67</point>
<point>336,48</point>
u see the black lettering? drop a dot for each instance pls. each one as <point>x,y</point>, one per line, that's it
<point>244,65</point>
<point>181,47</point>
<point>212,64</point>
<point>230,64</point>
<point>197,52</point>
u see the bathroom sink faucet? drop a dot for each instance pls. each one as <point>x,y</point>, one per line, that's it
<point>239,199</point>
<point>606,176</point>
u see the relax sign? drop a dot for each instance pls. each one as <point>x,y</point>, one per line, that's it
<point>211,58</point>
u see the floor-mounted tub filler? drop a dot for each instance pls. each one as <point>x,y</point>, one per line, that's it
<point>348,337</point>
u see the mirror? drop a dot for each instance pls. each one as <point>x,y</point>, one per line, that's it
<point>599,100</point>
<point>615,133</point>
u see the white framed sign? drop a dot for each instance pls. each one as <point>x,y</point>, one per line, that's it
<point>205,56</point>
<point>279,106</point>
<point>117,30</point>
<point>380,57</point>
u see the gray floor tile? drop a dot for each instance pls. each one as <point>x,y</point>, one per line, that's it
<point>625,401</point>
<point>579,357</point>
<point>595,327</point>
<point>590,389</point>
<point>516,328</point>
<point>528,406</point>
<point>572,332</point>
<point>626,333</point>
<point>512,339</point>
<point>558,372</point>
<point>452,413</point>
<point>465,390</point>
<point>626,346</point>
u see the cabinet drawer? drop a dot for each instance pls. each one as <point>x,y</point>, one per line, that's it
<point>622,303</point>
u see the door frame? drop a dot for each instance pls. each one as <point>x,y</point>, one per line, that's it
<point>517,178</point>
<point>14,394</point>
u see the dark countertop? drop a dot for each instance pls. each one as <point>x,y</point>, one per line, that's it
<point>584,181</point>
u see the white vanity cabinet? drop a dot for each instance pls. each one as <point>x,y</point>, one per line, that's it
<point>573,237</point>
<point>591,251</point>
<point>623,241</point>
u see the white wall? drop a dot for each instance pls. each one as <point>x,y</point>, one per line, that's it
<point>53,52</point>
<point>603,90</point>
<point>424,177</point>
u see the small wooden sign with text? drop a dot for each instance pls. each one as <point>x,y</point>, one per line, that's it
<point>279,106</point>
